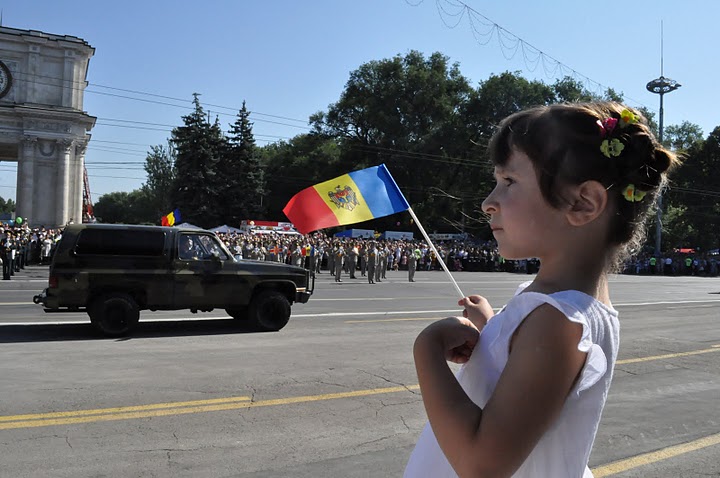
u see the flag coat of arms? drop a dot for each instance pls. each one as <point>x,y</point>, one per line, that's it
<point>348,199</point>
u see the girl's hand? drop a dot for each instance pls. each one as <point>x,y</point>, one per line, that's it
<point>454,337</point>
<point>477,309</point>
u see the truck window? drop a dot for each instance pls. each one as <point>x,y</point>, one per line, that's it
<point>120,242</point>
<point>199,247</point>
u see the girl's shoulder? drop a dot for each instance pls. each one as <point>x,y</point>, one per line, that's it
<point>574,300</point>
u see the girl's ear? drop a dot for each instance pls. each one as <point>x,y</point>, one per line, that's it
<point>590,201</point>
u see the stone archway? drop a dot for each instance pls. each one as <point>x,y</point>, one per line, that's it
<point>42,123</point>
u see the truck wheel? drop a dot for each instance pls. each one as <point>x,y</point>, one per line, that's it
<point>269,311</point>
<point>237,313</point>
<point>114,315</point>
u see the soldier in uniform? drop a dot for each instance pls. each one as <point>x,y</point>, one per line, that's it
<point>331,259</point>
<point>363,260</point>
<point>5,255</point>
<point>371,262</point>
<point>352,259</point>
<point>339,256</point>
<point>379,262</point>
<point>413,258</point>
<point>384,261</point>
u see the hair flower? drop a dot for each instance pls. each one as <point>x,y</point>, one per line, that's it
<point>633,195</point>
<point>607,126</point>
<point>628,117</point>
<point>612,148</point>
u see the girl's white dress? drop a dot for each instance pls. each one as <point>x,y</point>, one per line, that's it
<point>564,450</point>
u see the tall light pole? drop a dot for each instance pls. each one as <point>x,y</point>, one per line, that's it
<point>660,86</point>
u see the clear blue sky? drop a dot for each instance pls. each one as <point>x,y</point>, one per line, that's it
<point>291,58</point>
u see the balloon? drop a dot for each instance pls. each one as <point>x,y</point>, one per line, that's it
<point>18,220</point>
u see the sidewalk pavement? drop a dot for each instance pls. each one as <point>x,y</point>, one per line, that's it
<point>31,276</point>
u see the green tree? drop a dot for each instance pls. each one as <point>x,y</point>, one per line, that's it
<point>406,112</point>
<point>694,190</point>
<point>683,137</point>
<point>6,206</point>
<point>569,90</point>
<point>197,156</point>
<point>242,177</point>
<point>160,169</point>
<point>293,165</point>
<point>125,208</point>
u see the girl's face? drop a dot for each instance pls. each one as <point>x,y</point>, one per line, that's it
<point>522,221</point>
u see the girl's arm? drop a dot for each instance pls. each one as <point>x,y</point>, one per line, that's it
<point>542,367</point>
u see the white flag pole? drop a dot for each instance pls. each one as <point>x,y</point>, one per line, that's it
<point>440,260</point>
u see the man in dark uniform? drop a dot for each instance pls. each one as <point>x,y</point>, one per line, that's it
<point>5,255</point>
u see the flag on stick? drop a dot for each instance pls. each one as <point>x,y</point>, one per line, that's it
<point>171,219</point>
<point>348,199</point>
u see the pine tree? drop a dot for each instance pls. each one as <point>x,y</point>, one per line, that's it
<point>244,176</point>
<point>197,145</point>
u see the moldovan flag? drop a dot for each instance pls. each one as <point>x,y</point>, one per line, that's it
<point>171,219</point>
<point>354,197</point>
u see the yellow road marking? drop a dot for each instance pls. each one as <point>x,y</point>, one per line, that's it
<point>135,408</point>
<point>714,348</point>
<point>649,458</point>
<point>234,403</point>
<point>177,408</point>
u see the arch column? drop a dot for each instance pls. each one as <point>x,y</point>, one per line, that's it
<point>78,175</point>
<point>26,177</point>
<point>62,184</point>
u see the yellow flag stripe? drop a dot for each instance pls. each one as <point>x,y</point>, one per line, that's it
<point>351,206</point>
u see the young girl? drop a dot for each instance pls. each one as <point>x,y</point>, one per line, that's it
<point>575,184</point>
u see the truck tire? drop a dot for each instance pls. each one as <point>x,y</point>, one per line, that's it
<point>114,315</point>
<point>269,311</point>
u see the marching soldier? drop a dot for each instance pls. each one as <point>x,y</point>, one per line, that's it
<point>339,256</point>
<point>363,260</point>
<point>371,262</point>
<point>384,261</point>
<point>379,262</point>
<point>352,259</point>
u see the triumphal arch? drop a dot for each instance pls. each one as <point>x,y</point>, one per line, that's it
<point>42,123</point>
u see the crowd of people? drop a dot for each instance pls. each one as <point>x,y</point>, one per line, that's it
<point>22,245</point>
<point>320,252</point>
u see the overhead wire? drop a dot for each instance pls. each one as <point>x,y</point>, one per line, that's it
<point>509,44</point>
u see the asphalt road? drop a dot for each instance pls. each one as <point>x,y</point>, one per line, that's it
<point>331,395</point>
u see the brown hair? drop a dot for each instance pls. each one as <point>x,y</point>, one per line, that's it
<point>563,142</point>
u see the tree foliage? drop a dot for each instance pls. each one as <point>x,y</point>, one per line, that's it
<point>241,180</point>
<point>6,206</point>
<point>160,170</point>
<point>125,208</point>
<point>197,145</point>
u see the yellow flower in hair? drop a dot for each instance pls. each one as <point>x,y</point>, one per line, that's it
<point>633,195</point>
<point>612,148</point>
<point>628,117</point>
<point>605,148</point>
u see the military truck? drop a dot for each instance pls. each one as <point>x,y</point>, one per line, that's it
<point>114,271</point>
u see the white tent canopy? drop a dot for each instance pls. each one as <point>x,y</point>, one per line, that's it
<point>187,225</point>
<point>224,229</point>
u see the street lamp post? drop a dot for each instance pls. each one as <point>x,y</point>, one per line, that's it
<point>660,86</point>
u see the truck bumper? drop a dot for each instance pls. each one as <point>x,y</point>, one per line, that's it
<point>48,301</point>
<point>302,297</point>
